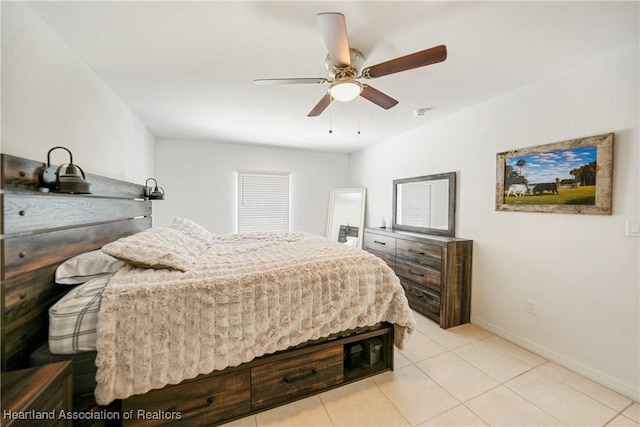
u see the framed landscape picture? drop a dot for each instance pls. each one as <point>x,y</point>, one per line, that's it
<point>572,176</point>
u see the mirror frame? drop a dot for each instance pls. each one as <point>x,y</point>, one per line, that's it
<point>451,230</point>
<point>360,225</point>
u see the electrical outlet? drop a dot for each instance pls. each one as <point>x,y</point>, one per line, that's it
<point>532,307</point>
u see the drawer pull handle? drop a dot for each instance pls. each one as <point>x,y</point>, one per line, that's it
<point>290,380</point>
<point>379,242</point>
<point>415,251</point>
<point>210,400</point>
<point>417,274</point>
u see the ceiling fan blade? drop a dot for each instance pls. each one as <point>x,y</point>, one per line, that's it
<point>334,32</point>
<point>320,106</point>
<point>377,97</point>
<point>408,62</point>
<point>292,81</point>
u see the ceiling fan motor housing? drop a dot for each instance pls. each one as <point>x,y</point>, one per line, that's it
<point>357,59</point>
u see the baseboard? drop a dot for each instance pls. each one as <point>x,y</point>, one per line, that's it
<point>628,390</point>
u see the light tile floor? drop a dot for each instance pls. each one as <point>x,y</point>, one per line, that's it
<point>463,376</point>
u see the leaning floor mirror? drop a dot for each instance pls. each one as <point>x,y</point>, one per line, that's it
<point>346,215</point>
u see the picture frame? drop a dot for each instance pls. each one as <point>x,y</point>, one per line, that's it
<point>567,177</point>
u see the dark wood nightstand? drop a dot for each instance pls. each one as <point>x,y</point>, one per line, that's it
<point>37,396</point>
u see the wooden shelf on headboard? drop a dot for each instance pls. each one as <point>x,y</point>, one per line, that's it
<point>41,230</point>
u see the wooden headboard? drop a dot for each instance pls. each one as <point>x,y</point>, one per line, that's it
<point>39,231</point>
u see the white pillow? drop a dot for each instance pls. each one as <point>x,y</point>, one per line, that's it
<point>84,267</point>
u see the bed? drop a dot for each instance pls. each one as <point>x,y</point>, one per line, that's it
<point>273,353</point>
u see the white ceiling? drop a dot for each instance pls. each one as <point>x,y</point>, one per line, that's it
<point>186,68</point>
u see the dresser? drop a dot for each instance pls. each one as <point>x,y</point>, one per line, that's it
<point>435,271</point>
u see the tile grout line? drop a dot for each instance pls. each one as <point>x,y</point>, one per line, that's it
<point>587,395</point>
<point>500,383</point>
<point>531,368</point>
<point>326,410</point>
<point>451,350</point>
<point>391,401</point>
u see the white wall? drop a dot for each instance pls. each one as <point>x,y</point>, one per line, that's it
<point>50,97</point>
<point>199,178</point>
<point>581,269</point>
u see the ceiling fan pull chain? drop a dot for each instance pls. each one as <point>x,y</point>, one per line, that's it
<point>330,115</point>
<point>359,116</point>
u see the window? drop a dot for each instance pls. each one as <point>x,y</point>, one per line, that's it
<point>263,202</point>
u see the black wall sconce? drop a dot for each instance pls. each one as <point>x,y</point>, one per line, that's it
<point>71,180</point>
<point>155,193</point>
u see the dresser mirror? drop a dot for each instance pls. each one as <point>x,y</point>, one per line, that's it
<point>425,204</point>
<point>345,221</point>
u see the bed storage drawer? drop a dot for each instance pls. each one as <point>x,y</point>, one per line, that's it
<point>279,381</point>
<point>261,384</point>
<point>199,402</point>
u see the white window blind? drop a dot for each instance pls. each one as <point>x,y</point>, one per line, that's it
<point>263,202</point>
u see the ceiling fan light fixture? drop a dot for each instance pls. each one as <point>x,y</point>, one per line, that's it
<point>345,90</point>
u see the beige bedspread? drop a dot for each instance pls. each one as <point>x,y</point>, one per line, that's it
<point>246,296</point>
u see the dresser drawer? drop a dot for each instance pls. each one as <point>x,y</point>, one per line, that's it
<point>422,300</point>
<point>279,381</point>
<point>421,274</point>
<point>200,402</point>
<point>389,259</point>
<point>419,253</point>
<point>379,243</point>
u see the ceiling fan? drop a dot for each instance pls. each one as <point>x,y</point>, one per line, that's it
<point>344,65</point>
